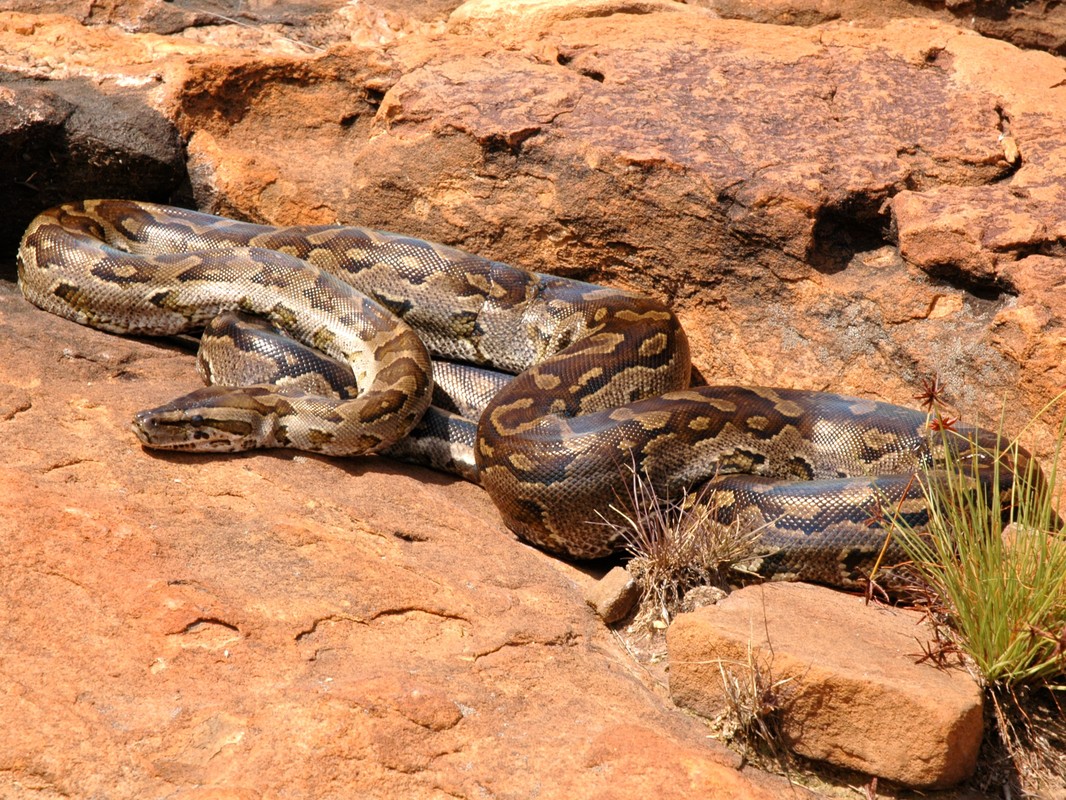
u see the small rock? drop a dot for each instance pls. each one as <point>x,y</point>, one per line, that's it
<point>700,596</point>
<point>614,596</point>
<point>856,695</point>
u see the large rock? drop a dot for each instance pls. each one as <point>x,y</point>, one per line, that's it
<point>1036,24</point>
<point>849,681</point>
<point>838,207</point>
<point>67,139</point>
<point>765,180</point>
<point>276,623</point>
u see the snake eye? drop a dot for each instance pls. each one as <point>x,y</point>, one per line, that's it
<point>197,420</point>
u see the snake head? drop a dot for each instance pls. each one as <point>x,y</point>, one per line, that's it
<point>214,419</point>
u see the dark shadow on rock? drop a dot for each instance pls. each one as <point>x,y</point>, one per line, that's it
<point>69,140</point>
<point>842,231</point>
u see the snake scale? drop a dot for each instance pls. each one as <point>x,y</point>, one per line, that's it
<point>600,380</point>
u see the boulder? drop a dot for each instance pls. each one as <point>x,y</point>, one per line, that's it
<point>848,682</point>
<point>847,240</point>
<point>1035,24</point>
<point>786,189</point>
<point>277,624</point>
<point>839,207</point>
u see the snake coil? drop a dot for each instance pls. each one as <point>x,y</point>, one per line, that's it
<point>601,380</point>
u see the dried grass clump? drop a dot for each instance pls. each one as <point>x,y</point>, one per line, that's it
<point>754,701</point>
<point>676,545</point>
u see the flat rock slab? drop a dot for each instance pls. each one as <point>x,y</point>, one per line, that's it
<point>786,190</point>
<point>856,694</point>
<point>276,625</point>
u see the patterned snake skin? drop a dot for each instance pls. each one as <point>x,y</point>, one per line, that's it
<point>601,386</point>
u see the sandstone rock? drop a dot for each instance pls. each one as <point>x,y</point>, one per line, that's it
<point>281,625</point>
<point>313,22</point>
<point>81,124</point>
<point>147,16</point>
<point>843,207</point>
<point>67,139</point>
<point>614,595</point>
<point>30,124</point>
<point>519,21</point>
<point>813,12</point>
<point>848,680</point>
<point>636,148</point>
<point>1039,25</point>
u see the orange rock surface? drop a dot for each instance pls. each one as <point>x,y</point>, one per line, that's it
<point>844,207</point>
<point>284,626</point>
<point>847,680</point>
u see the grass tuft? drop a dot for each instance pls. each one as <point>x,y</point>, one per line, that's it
<point>993,556</point>
<point>994,562</point>
<point>675,545</point>
<point>754,701</point>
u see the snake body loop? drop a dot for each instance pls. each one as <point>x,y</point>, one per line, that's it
<point>112,266</point>
<point>601,382</point>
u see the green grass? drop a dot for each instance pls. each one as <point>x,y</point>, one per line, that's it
<point>996,565</point>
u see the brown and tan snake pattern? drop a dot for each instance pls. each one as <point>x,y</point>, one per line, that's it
<point>601,386</point>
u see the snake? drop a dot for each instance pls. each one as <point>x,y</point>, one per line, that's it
<point>587,385</point>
